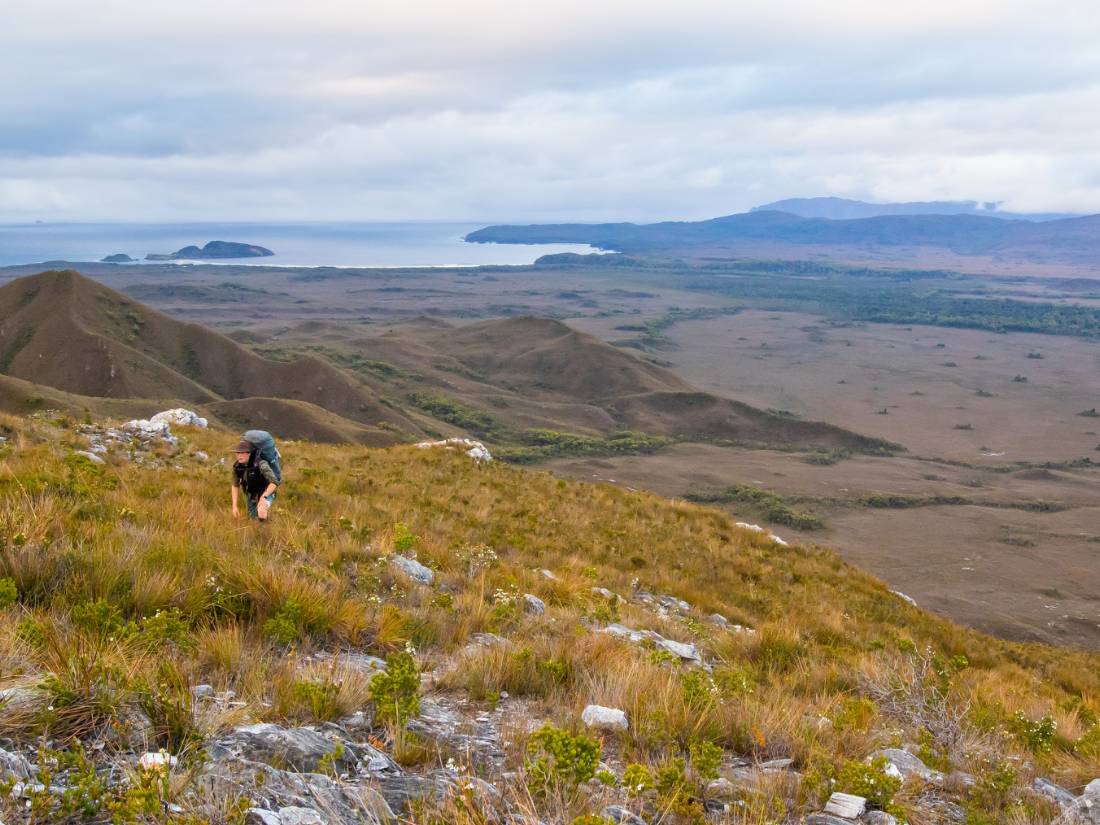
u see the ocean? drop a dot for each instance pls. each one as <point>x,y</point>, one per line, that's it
<point>294,244</point>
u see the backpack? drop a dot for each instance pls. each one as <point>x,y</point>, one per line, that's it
<point>263,447</point>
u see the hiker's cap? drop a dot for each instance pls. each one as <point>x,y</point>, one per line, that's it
<point>243,447</point>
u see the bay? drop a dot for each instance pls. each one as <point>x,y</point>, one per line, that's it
<point>396,244</point>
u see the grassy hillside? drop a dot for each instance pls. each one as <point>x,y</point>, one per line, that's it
<point>128,583</point>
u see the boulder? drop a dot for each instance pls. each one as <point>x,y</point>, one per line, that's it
<point>601,718</point>
<point>533,604</point>
<point>845,805</point>
<point>909,766</point>
<point>413,569</point>
<point>621,816</point>
<point>1055,793</point>
<point>92,457</point>
<point>295,815</point>
<point>879,818</point>
<point>258,816</point>
<point>1085,809</point>
<point>15,766</point>
<point>825,819</point>
<point>179,415</point>
<point>685,651</point>
<point>299,748</point>
<point>474,449</point>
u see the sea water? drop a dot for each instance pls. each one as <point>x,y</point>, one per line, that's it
<point>294,244</point>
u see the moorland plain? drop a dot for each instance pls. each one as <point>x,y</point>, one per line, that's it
<point>989,516</point>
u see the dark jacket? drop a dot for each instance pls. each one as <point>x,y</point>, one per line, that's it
<point>254,478</point>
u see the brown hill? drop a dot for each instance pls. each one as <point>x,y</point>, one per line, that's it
<point>527,372</point>
<point>65,331</point>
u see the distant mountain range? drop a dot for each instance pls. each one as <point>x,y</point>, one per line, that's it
<point>845,209</point>
<point>773,233</point>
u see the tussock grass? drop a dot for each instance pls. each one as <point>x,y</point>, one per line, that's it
<point>122,568</point>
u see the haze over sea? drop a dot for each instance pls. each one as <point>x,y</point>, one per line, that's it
<point>294,244</point>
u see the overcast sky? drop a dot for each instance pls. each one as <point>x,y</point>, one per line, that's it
<point>540,109</point>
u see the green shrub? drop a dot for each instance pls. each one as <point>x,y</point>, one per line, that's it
<point>1089,743</point>
<point>870,781</point>
<point>705,759</point>
<point>557,759</point>
<point>637,779</point>
<point>396,691</point>
<point>9,593</point>
<point>1037,735</point>
<point>403,538</point>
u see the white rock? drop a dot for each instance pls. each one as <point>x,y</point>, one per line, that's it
<point>533,604</point>
<point>179,415</point>
<point>846,805</point>
<point>905,598</point>
<point>597,716</point>
<point>258,816</point>
<point>154,761</point>
<point>546,574</point>
<point>412,568</point>
<point>201,456</point>
<point>92,457</point>
<point>684,650</point>
<point>293,815</point>
<point>150,429</point>
<point>474,449</point>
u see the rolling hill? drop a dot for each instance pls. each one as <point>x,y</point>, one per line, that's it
<point>509,381</point>
<point>69,333</point>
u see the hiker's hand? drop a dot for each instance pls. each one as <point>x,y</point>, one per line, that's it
<point>262,506</point>
<point>236,511</point>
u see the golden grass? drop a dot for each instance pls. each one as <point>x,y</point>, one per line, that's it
<point>143,539</point>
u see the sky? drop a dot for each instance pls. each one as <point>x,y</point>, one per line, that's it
<point>528,110</point>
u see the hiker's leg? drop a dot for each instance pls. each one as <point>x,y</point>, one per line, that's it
<point>252,512</point>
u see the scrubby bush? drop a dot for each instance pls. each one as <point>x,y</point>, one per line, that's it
<point>396,691</point>
<point>558,759</point>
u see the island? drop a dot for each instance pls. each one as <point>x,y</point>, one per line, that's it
<point>118,258</point>
<point>214,249</point>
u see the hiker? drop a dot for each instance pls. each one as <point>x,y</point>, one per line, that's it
<point>257,472</point>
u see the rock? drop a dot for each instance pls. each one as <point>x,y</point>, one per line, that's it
<point>909,765</point>
<point>597,716</point>
<point>203,692</point>
<point>398,791</point>
<point>719,619</point>
<point>294,815</point>
<point>546,574</point>
<point>201,456</point>
<point>904,598</point>
<point>213,250</point>
<point>474,449</point>
<point>92,457</point>
<point>154,761</point>
<point>604,592</point>
<point>258,816</point>
<point>721,788</point>
<point>299,748</point>
<point>683,650</point>
<point>673,603</point>
<point>879,818</point>
<point>180,416</point>
<point>15,766</point>
<point>118,258</point>
<point>776,764</point>
<point>825,819</point>
<point>533,604</point>
<point>1085,809</point>
<point>846,805</point>
<point>412,568</point>
<point>620,815</point>
<point>150,430</point>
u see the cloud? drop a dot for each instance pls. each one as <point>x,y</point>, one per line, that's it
<point>503,111</point>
